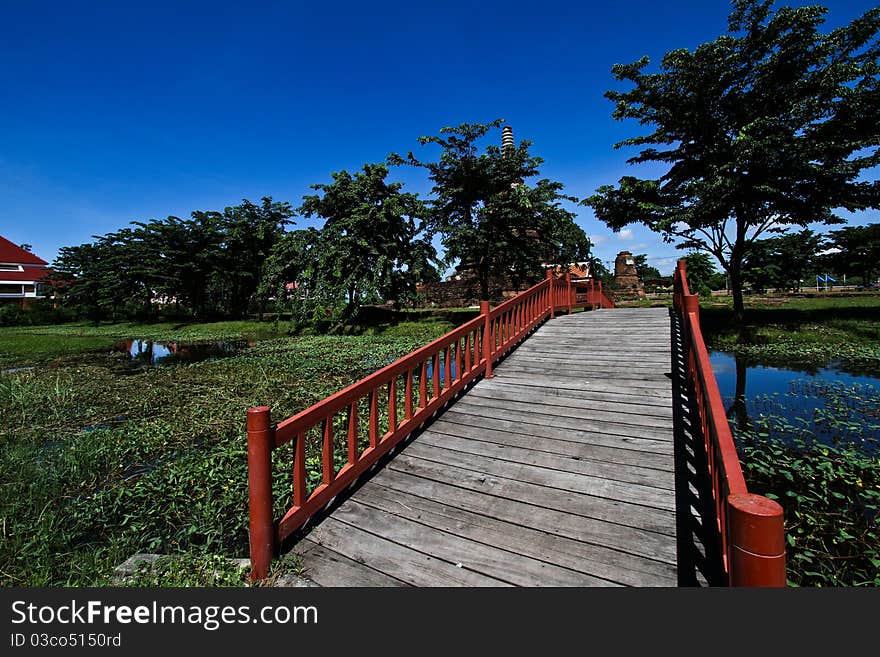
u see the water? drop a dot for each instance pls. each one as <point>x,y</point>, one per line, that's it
<point>150,353</point>
<point>831,404</point>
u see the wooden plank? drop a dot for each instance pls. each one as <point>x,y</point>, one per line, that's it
<point>618,370</point>
<point>328,568</point>
<point>565,354</point>
<point>560,447</point>
<point>620,377</point>
<point>494,499</point>
<point>457,414</point>
<point>398,561</point>
<point>550,547</point>
<point>531,404</point>
<point>599,517</point>
<point>553,420</point>
<point>580,383</point>
<point>622,472</point>
<point>466,554</point>
<point>556,396</point>
<point>595,486</point>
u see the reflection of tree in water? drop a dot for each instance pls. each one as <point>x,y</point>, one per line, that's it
<point>738,411</point>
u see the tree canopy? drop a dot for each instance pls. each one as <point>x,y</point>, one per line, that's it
<point>489,218</point>
<point>371,247</point>
<point>856,252</point>
<point>209,265</point>
<point>767,126</point>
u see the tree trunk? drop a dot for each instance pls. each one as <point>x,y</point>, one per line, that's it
<point>736,288</point>
<point>483,273</point>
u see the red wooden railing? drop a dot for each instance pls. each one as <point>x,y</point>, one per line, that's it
<point>750,527</point>
<point>568,294</point>
<point>349,431</point>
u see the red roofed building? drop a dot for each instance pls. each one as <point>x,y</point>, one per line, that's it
<point>20,273</point>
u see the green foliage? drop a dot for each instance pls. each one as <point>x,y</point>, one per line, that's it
<point>209,265</point>
<point>98,464</point>
<point>645,271</point>
<point>189,570</point>
<point>858,252</point>
<point>371,248</point>
<point>830,494</point>
<point>700,272</point>
<point>489,218</point>
<point>767,126</point>
<point>783,262</point>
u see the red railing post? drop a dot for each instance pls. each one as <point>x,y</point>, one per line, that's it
<point>692,305</point>
<point>260,441</point>
<point>488,339</point>
<point>568,290</point>
<point>552,290</point>
<point>756,551</point>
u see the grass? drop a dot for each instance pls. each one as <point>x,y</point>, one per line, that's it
<point>99,461</point>
<point>801,331</point>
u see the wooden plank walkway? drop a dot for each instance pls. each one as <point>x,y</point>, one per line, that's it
<point>557,472</point>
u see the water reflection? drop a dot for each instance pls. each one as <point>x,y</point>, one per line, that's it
<point>830,404</point>
<point>150,353</point>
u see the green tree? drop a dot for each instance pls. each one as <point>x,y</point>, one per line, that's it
<point>373,246</point>
<point>858,251</point>
<point>700,272</point>
<point>645,271</point>
<point>490,220</point>
<point>767,126</point>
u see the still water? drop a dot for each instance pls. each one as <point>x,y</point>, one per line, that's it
<point>149,353</point>
<point>832,404</point>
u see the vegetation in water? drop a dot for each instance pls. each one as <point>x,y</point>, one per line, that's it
<point>816,448</point>
<point>825,471</point>
<point>97,465</point>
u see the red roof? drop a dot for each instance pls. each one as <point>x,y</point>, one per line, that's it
<point>13,253</point>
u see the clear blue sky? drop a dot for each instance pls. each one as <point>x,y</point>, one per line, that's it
<point>114,111</point>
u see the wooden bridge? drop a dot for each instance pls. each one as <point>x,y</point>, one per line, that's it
<point>523,449</point>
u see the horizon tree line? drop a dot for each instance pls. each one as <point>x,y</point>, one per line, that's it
<point>374,243</point>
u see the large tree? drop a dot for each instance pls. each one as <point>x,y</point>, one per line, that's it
<point>767,126</point>
<point>373,246</point>
<point>490,219</point>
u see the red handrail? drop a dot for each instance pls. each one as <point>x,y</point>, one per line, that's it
<point>394,401</point>
<point>566,295</point>
<point>750,527</point>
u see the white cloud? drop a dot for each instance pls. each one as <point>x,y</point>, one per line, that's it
<point>626,234</point>
<point>597,239</point>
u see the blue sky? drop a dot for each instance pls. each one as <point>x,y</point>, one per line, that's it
<point>112,112</point>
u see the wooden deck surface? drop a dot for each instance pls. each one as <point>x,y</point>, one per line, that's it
<point>557,472</point>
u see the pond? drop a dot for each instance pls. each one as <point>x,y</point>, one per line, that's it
<point>829,403</point>
<point>150,353</point>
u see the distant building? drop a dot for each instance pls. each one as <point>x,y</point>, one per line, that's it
<point>21,273</point>
<point>626,276</point>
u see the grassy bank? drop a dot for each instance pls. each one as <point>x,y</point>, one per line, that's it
<point>99,461</point>
<point>812,331</point>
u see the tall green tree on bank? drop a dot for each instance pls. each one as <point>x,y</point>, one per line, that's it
<point>767,126</point>
<point>372,246</point>
<point>489,218</point>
